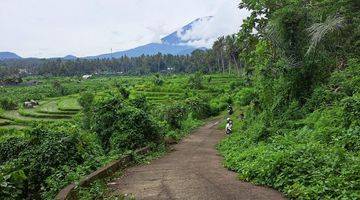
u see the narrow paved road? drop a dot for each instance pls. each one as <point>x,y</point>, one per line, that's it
<point>192,171</point>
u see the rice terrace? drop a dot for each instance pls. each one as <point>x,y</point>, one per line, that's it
<point>189,100</point>
<point>64,108</point>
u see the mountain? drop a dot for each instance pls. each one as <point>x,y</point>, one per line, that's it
<point>8,56</point>
<point>149,49</point>
<point>172,44</point>
<point>69,57</point>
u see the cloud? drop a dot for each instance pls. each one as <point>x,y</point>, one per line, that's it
<point>225,21</point>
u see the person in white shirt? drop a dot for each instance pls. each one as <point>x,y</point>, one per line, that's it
<point>229,124</point>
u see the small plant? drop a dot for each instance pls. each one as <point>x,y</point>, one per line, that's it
<point>195,81</point>
<point>123,91</point>
<point>157,80</point>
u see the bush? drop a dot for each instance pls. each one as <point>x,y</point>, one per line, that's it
<point>245,96</point>
<point>174,114</point>
<point>12,182</point>
<point>123,91</point>
<point>157,80</point>
<point>8,104</point>
<point>86,101</point>
<point>195,81</point>
<point>59,89</point>
<point>140,102</point>
<point>48,149</point>
<point>134,129</point>
<point>236,84</point>
<point>219,104</point>
<point>120,126</point>
<point>199,107</point>
<point>352,109</point>
<point>11,147</point>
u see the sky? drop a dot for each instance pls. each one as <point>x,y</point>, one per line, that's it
<point>56,28</point>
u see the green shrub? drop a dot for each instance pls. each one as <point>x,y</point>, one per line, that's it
<point>120,126</point>
<point>11,147</point>
<point>134,129</point>
<point>7,104</point>
<point>86,101</point>
<point>123,91</point>
<point>195,81</point>
<point>174,115</point>
<point>245,96</point>
<point>236,84</point>
<point>12,182</point>
<point>157,80</point>
<point>199,107</point>
<point>352,109</point>
<point>219,104</point>
<point>59,89</point>
<point>140,102</point>
<point>50,147</point>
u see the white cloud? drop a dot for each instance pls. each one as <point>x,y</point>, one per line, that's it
<point>226,20</point>
<point>52,28</point>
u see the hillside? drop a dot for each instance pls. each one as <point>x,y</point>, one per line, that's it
<point>8,56</point>
<point>149,49</point>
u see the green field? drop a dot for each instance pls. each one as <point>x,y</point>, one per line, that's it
<point>63,108</point>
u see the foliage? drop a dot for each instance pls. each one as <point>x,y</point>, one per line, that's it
<point>245,96</point>
<point>59,88</point>
<point>195,81</point>
<point>121,126</point>
<point>46,156</point>
<point>199,107</point>
<point>48,148</point>
<point>7,104</point>
<point>174,114</point>
<point>86,100</point>
<point>123,91</point>
<point>157,80</point>
<point>301,101</point>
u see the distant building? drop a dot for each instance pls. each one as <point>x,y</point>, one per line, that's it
<point>86,77</point>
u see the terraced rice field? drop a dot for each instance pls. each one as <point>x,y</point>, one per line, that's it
<point>64,108</point>
<point>54,109</point>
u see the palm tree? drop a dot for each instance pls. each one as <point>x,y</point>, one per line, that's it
<point>232,51</point>
<point>319,30</point>
<point>219,48</point>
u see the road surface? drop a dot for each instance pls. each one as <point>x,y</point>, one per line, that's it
<point>193,170</point>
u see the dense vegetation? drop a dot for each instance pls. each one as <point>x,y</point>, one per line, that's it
<point>118,115</point>
<point>301,102</point>
<point>298,86</point>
